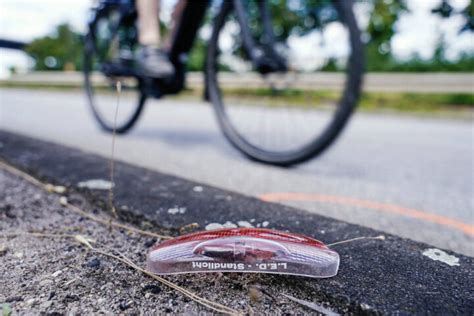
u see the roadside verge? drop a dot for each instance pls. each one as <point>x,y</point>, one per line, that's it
<point>393,275</point>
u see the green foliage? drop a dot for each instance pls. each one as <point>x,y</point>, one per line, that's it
<point>61,50</point>
<point>405,102</point>
<point>380,32</point>
<point>197,56</point>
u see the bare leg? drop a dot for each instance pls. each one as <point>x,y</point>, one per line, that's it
<point>148,22</point>
<point>175,20</point>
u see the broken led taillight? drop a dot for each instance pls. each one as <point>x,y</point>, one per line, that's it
<point>244,250</point>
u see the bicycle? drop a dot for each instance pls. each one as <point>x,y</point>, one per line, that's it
<point>244,43</point>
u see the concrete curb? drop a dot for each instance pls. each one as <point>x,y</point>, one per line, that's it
<point>389,276</point>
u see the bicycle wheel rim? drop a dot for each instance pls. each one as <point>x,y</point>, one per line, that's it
<point>346,102</point>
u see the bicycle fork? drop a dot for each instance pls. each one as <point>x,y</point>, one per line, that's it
<point>264,57</point>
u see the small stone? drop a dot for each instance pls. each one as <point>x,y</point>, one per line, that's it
<point>177,210</point>
<point>101,300</point>
<point>198,188</point>
<point>245,224</point>
<point>96,184</point>
<point>70,298</point>
<point>124,305</point>
<point>94,263</point>
<point>152,288</point>
<point>59,189</point>
<point>15,298</point>
<point>56,274</point>
<point>265,224</point>
<point>150,242</point>
<point>63,201</point>
<point>3,249</point>
<point>147,295</point>
<point>213,226</point>
<point>18,254</point>
<point>229,225</point>
<point>30,302</point>
<point>51,295</point>
<point>46,304</point>
<point>365,306</point>
<point>45,282</point>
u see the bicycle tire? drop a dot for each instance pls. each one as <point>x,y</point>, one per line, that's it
<point>347,103</point>
<point>89,53</point>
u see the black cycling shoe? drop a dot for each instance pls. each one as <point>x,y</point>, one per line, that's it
<point>155,63</point>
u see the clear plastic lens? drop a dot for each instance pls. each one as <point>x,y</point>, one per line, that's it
<point>244,250</point>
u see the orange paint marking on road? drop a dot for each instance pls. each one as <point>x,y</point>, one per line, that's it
<point>377,206</point>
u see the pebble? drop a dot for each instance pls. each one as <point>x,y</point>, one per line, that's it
<point>152,288</point>
<point>177,210</point>
<point>245,224</point>
<point>18,254</point>
<point>63,201</point>
<point>56,274</point>
<point>45,282</point>
<point>3,250</point>
<point>150,242</point>
<point>51,295</point>
<point>265,224</point>
<point>15,298</point>
<point>212,226</point>
<point>124,305</point>
<point>198,188</point>
<point>101,300</point>
<point>46,304</point>
<point>30,302</point>
<point>96,184</point>
<point>94,263</point>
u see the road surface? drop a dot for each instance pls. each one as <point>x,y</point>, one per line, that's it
<point>412,177</point>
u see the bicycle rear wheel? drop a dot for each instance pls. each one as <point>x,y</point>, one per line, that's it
<point>288,117</point>
<point>108,58</point>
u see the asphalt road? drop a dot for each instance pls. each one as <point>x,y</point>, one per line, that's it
<point>412,177</point>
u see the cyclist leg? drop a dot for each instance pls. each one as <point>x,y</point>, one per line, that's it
<point>152,60</point>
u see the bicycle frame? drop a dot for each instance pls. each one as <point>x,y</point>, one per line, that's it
<point>186,31</point>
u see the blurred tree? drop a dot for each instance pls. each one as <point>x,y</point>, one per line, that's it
<point>468,14</point>
<point>446,10</point>
<point>380,31</point>
<point>61,50</point>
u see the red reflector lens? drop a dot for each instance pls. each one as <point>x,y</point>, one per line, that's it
<point>244,250</point>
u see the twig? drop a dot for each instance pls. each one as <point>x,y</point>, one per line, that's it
<point>315,307</point>
<point>74,208</point>
<point>22,174</point>
<point>381,237</point>
<point>210,304</point>
<point>37,235</point>
<point>112,158</point>
<point>124,259</point>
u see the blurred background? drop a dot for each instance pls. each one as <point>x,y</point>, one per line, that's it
<point>407,153</point>
<point>420,35</point>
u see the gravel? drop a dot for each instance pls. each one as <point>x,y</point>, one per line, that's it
<point>58,275</point>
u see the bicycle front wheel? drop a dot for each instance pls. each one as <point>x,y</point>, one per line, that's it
<point>287,117</point>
